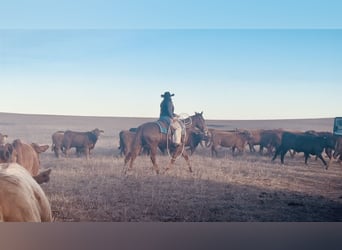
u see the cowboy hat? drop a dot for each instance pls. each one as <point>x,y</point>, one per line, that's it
<point>167,94</point>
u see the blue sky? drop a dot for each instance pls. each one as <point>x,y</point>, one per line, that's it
<point>170,14</point>
<point>241,71</point>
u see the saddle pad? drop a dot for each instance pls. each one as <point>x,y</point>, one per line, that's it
<point>162,129</point>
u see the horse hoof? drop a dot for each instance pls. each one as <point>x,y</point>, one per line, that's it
<point>127,170</point>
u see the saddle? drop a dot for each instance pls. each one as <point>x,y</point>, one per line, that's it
<point>167,121</point>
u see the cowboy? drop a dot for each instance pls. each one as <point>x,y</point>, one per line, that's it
<point>167,114</point>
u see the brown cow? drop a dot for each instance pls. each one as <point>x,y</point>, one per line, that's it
<point>83,141</point>
<point>26,155</point>
<point>21,198</point>
<point>234,140</point>
<point>254,139</point>
<point>57,144</point>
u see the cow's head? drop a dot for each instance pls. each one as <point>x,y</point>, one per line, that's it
<point>328,141</point>
<point>6,153</point>
<point>246,134</point>
<point>97,132</point>
<point>3,139</point>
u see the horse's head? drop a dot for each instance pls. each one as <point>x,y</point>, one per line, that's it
<point>199,122</point>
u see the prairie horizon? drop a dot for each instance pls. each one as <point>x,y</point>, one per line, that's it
<point>320,122</point>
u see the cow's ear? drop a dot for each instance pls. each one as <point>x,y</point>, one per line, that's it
<point>39,149</point>
<point>17,143</point>
<point>43,148</point>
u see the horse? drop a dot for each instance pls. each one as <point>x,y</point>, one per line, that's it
<point>149,135</point>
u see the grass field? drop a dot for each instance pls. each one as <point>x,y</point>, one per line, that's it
<point>248,187</point>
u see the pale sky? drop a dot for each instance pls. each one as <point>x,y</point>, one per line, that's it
<point>88,63</point>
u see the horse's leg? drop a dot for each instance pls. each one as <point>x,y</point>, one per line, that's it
<point>174,156</point>
<point>213,151</point>
<point>153,152</point>
<point>187,159</point>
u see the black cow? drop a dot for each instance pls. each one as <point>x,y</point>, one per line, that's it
<point>194,137</point>
<point>82,141</point>
<point>306,143</point>
<point>329,135</point>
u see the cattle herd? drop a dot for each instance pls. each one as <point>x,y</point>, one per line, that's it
<point>275,141</point>
<point>22,198</point>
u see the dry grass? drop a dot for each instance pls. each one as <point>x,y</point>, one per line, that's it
<point>243,188</point>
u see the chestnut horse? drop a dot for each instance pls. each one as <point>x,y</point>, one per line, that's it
<point>149,135</point>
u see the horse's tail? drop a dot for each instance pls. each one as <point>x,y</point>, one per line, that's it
<point>136,145</point>
<point>128,157</point>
